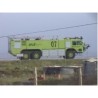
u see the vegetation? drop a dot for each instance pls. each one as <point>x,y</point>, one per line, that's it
<point>20,72</point>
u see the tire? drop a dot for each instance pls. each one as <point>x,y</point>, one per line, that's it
<point>26,55</point>
<point>36,55</point>
<point>70,54</point>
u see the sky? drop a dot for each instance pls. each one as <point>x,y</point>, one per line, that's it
<point>19,23</point>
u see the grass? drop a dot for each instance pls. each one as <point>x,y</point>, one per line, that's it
<point>16,72</point>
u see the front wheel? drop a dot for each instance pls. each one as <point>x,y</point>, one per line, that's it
<point>70,54</point>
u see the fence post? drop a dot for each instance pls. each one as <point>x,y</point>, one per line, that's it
<point>44,75</point>
<point>59,76</point>
<point>36,81</point>
<point>80,75</point>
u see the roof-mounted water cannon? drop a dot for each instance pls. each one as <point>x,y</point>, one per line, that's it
<point>81,37</point>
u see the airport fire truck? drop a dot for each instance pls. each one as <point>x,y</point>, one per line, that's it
<point>29,48</point>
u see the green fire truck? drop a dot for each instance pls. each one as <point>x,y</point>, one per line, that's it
<point>28,48</point>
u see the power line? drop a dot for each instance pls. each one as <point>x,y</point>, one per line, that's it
<point>51,29</point>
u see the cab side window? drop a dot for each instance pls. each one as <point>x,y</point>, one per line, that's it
<point>74,43</point>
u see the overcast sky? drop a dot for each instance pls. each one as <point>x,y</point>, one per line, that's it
<point>18,23</point>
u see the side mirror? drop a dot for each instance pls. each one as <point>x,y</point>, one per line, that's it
<point>87,46</point>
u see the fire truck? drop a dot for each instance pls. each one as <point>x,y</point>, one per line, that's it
<point>29,48</point>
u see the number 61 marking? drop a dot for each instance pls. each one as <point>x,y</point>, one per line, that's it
<point>53,44</point>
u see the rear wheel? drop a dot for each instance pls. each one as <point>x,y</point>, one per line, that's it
<point>26,55</point>
<point>36,55</point>
<point>70,54</point>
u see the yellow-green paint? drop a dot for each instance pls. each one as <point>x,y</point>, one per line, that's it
<point>43,45</point>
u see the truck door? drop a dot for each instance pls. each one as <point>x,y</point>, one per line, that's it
<point>67,44</point>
